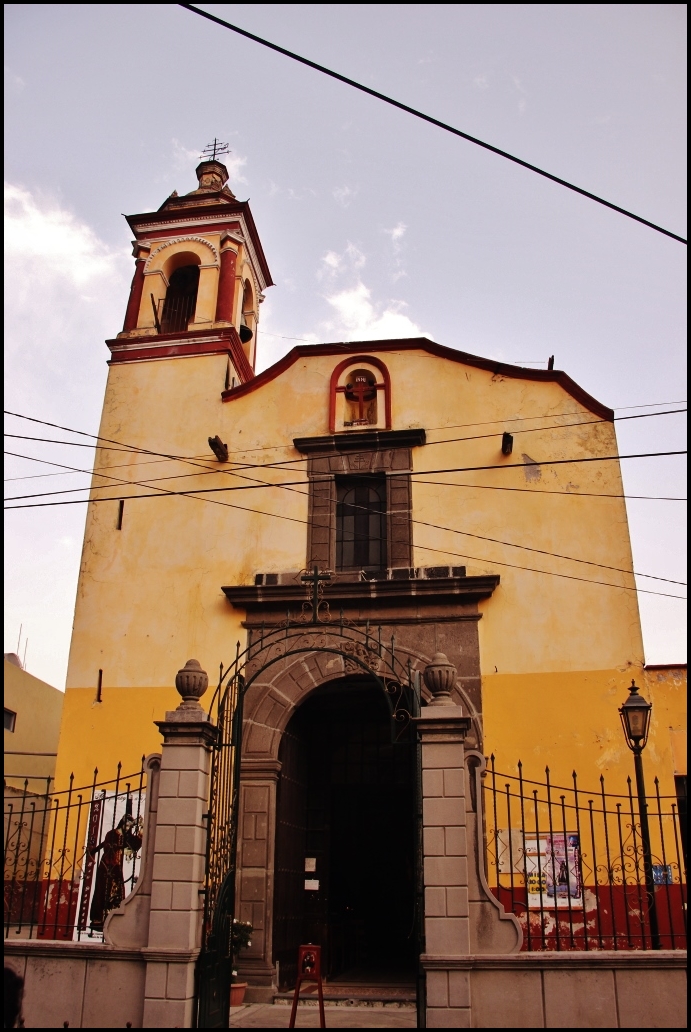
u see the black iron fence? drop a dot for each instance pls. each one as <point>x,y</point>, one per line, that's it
<point>571,865</point>
<point>71,856</point>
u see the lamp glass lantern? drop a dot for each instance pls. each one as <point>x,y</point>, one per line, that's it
<point>635,718</point>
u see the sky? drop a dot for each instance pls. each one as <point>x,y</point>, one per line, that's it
<point>375,224</point>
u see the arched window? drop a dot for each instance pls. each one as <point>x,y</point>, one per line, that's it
<point>180,300</point>
<point>360,395</point>
<point>247,315</point>
<point>361,523</point>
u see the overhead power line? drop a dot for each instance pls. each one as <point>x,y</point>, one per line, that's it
<point>536,464</point>
<point>566,576</point>
<point>422,523</point>
<point>295,486</point>
<point>431,120</point>
<point>283,463</point>
<point>182,476</point>
<point>292,519</point>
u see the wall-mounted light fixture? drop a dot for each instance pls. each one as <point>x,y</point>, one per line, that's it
<point>219,449</point>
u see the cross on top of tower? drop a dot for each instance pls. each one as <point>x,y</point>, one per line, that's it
<point>214,150</point>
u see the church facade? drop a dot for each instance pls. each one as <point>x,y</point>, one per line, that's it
<point>450,504</point>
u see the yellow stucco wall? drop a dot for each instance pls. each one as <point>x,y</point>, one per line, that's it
<point>30,750</point>
<point>150,595</point>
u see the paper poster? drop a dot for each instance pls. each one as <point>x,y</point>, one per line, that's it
<point>553,870</point>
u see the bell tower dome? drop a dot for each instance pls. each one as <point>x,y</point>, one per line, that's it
<point>200,276</point>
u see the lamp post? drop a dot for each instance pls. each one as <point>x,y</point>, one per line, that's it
<point>635,719</point>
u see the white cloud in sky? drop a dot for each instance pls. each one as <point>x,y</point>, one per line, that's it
<point>343,195</point>
<point>13,82</point>
<point>66,291</point>
<point>397,234</point>
<point>522,102</point>
<point>50,240</point>
<point>356,315</point>
<point>481,82</point>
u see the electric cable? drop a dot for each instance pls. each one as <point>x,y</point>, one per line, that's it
<point>438,483</point>
<point>282,463</point>
<point>536,464</point>
<point>295,484</point>
<point>566,576</point>
<point>431,120</point>
<point>195,493</point>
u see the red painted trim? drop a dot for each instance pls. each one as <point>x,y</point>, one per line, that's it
<point>180,216</point>
<point>170,351</point>
<point>333,386</point>
<point>135,298</point>
<point>424,344</point>
<point>226,286</point>
<point>179,345</point>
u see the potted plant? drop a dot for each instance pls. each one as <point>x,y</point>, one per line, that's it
<point>240,939</point>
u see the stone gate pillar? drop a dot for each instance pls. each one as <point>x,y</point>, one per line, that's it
<point>462,918</point>
<point>175,923</point>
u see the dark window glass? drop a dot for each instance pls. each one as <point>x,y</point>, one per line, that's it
<point>10,720</point>
<point>181,299</point>
<point>361,523</point>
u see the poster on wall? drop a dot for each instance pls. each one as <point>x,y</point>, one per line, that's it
<point>112,859</point>
<point>552,865</point>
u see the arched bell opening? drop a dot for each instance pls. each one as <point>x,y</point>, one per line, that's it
<point>180,302</point>
<point>247,315</point>
<point>345,838</point>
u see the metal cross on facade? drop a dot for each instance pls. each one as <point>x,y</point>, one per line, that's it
<point>316,580</point>
<point>360,391</point>
<point>214,150</point>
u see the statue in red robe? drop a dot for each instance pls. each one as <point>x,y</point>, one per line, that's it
<point>109,890</point>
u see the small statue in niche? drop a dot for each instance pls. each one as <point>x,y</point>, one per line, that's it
<point>361,398</point>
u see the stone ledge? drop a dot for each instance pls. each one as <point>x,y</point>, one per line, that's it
<point>73,950</point>
<point>354,440</point>
<point>570,959</point>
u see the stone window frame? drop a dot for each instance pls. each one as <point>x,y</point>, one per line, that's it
<point>376,452</point>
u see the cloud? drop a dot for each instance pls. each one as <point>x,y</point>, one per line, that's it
<point>66,291</point>
<point>396,234</point>
<point>13,82</point>
<point>352,260</point>
<point>481,82</point>
<point>522,103</point>
<point>343,195</point>
<point>357,317</point>
<point>52,240</point>
<point>63,285</point>
<point>355,314</point>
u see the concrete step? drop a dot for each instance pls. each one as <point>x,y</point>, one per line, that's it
<point>354,995</point>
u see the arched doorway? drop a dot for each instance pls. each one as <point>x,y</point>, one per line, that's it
<point>345,837</point>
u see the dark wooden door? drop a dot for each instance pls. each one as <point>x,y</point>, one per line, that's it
<point>289,878</point>
<point>345,805</point>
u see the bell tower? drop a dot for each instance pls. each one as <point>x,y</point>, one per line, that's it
<point>200,276</point>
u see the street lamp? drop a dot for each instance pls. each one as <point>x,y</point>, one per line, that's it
<point>635,719</point>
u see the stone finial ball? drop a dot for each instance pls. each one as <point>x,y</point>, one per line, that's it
<point>440,677</point>
<point>191,682</point>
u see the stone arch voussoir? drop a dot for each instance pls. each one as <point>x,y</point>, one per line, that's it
<point>279,690</point>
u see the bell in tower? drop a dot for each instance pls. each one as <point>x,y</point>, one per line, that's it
<point>200,275</point>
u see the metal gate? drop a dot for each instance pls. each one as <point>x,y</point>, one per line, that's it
<point>313,630</point>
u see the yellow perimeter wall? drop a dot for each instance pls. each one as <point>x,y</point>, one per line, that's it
<point>557,653</point>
